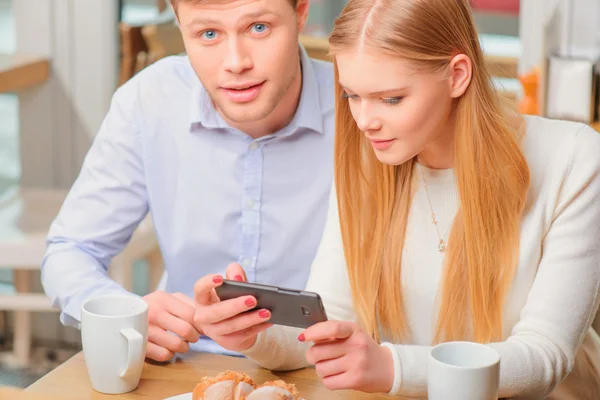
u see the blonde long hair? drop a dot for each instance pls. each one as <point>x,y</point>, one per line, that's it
<point>373,198</point>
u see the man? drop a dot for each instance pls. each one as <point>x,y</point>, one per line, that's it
<point>230,148</point>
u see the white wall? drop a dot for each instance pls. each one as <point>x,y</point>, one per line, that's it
<point>585,28</point>
<point>59,119</point>
<point>567,27</point>
<point>534,15</point>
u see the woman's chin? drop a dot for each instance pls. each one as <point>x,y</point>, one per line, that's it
<point>391,158</point>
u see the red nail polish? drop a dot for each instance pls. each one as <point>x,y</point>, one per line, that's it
<point>264,314</point>
<point>301,337</point>
<point>217,279</point>
<point>238,278</point>
<point>250,302</point>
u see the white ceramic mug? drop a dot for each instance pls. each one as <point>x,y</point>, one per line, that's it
<point>463,371</point>
<point>114,334</point>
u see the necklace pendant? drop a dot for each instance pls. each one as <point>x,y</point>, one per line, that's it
<point>441,247</point>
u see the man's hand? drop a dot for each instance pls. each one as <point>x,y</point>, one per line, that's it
<point>170,325</point>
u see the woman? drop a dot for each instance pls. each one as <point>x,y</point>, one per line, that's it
<point>457,219</point>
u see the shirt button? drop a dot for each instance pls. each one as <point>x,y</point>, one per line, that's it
<point>253,146</point>
<point>246,263</point>
<point>250,203</point>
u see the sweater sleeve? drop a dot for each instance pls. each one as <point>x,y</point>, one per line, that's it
<point>278,347</point>
<point>563,300</point>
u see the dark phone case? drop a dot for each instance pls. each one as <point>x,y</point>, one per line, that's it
<point>288,307</point>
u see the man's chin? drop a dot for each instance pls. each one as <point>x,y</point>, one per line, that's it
<point>244,113</point>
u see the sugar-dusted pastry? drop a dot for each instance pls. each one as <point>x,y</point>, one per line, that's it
<point>228,385</point>
<point>275,390</point>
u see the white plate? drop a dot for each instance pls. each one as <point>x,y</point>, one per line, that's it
<point>185,396</point>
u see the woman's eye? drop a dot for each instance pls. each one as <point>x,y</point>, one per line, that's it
<point>209,35</point>
<point>392,100</point>
<point>350,96</point>
<point>259,28</point>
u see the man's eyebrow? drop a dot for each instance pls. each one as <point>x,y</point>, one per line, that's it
<point>211,21</point>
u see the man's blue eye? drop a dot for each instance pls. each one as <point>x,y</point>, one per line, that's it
<point>259,28</point>
<point>209,35</point>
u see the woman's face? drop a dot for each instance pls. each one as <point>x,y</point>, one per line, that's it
<point>401,110</point>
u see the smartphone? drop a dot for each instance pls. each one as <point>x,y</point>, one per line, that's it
<point>288,307</point>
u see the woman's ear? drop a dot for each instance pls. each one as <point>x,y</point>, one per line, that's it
<point>461,71</point>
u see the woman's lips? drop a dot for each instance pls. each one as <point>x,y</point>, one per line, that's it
<point>382,144</point>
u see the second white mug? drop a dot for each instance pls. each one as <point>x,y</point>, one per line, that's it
<point>463,371</point>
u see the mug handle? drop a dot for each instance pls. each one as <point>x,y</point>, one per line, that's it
<point>135,348</point>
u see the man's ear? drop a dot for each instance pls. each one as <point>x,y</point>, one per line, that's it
<point>302,8</point>
<point>174,10</point>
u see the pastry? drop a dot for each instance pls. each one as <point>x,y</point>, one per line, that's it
<point>228,385</point>
<point>275,390</point>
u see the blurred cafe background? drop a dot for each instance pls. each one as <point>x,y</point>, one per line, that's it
<point>61,61</point>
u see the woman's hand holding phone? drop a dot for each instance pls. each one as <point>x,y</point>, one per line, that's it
<point>229,323</point>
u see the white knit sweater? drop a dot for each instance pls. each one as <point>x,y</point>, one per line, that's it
<point>554,295</point>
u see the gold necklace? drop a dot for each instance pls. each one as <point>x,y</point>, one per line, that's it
<point>441,247</point>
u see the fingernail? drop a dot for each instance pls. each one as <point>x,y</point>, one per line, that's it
<point>264,314</point>
<point>301,337</point>
<point>238,278</point>
<point>217,279</point>
<point>250,302</point>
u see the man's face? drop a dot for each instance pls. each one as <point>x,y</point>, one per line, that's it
<point>245,52</point>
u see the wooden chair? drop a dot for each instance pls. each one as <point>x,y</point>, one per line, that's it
<point>133,51</point>
<point>162,40</point>
<point>25,217</point>
<point>142,45</point>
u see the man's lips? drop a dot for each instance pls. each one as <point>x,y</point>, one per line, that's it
<point>243,92</point>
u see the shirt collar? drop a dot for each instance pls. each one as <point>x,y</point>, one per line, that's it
<point>203,110</point>
<point>309,113</point>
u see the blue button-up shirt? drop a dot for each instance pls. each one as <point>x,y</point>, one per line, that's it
<point>216,195</point>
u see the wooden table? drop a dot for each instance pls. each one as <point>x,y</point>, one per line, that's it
<point>596,126</point>
<point>70,380</point>
<point>19,71</point>
<point>10,393</point>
